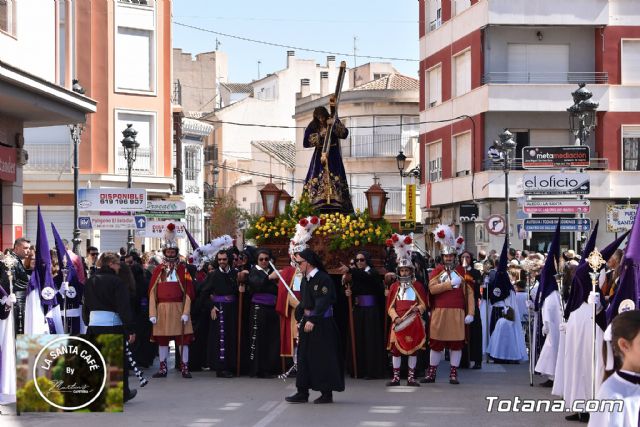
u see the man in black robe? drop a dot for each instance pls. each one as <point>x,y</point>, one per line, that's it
<point>219,302</point>
<point>21,249</point>
<point>367,295</point>
<point>472,351</point>
<point>264,349</point>
<point>320,365</point>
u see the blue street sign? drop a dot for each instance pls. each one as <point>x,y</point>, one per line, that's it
<point>549,224</point>
<point>141,222</point>
<point>84,223</point>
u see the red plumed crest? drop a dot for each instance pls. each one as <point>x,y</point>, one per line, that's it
<point>304,222</point>
<point>171,226</point>
<point>408,240</point>
<point>441,234</point>
<point>314,220</point>
<point>395,237</point>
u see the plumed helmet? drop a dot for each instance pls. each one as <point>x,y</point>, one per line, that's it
<point>170,242</point>
<point>304,231</point>
<point>449,244</point>
<point>403,246</point>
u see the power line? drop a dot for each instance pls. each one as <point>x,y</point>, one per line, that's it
<point>288,46</point>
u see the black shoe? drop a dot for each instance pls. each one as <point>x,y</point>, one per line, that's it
<point>325,398</point>
<point>297,398</point>
<point>224,374</point>
<point>547,384</point>
<point>477,365</point>
<point>573,417</point>
<point>132,394</point>
<point>393,383</point>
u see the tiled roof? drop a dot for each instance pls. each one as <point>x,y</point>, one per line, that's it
<point>285,151</point>
<point>393,82</point>
<point>238,87</point>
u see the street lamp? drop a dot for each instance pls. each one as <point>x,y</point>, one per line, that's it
<point>76,131</point>
<point>270,195</point>
<point>284,201</point>
<point>582,121</point>
<point>401,160</point>
<point>500,152</point>
<point>130,148</point>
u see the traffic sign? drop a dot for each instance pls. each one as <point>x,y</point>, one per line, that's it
<point>141,222</point>
<point>557,206</point>
<point>572,156</point>
<point>107,222</point>
<point>407,225</point>
<point>549,224</point>
<point>495,224</point>
<point>620,217</point>
<point>548,184</point>
<point>84,223</point>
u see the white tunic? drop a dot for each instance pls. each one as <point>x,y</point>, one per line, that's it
<point>8,362</point>
<point>616,387</point>
<point>551,317</point>
<point>507,339</point>
<point>578,355</point>
<point>558,379</point>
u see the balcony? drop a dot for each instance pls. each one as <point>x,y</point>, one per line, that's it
<point>49,158</point>
<point>524,77</point>
<point>142,166</point>
<point>381,145</point>
<point>394,204</point>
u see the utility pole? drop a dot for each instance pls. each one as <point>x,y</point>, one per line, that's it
<point>355,39</point>
<point>259,62</point>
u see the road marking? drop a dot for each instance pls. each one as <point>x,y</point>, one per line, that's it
<point>386,409</point>
<point>378,424</point>
<point>205,422</point>
<point>272,415</point>
<point>401,389</point>
<point>231,406</point>
<point>449,410</point>
<point>268,406</point>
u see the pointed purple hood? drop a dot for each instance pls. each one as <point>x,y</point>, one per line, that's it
<point>548,282</point>
<point>41,276</point>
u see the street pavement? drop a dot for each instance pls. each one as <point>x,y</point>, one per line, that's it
<point>207,401</point>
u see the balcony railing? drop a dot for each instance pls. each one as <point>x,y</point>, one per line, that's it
<point>49,158</point>
<point>381,145</point>
<point>516,164</point>
<point>524,77</point>
<point>148,3</point>
<point>394,204</point>
<point>142,165</point>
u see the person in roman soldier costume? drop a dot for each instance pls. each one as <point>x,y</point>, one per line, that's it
<point>452,306</point>
<point>20,277</point>
<point>406,302</point>
<point>171,293</point>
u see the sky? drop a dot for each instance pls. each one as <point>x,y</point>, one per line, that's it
<point>382,28</point>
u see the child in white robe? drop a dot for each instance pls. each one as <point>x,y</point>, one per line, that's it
<point>623,375</point>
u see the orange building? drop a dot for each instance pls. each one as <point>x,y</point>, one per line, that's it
<point>120,51</point>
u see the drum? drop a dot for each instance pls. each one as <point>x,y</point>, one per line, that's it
<point>410,334</point>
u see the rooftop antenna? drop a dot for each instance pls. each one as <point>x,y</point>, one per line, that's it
<point>259,62</point>
<point>355,39</point>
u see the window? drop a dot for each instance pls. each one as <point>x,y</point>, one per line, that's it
<point>631,148</point>
<point>134,59</point>
<point>434,77</point>
<point>65,50</point>
<point>361,136</point>
<point>462,160</point>
<point>630,62</point>
<point>8,16</point>
<point>537,63</point>
<point>377,76</point>
<point>144,124</point>
<point>194,222</point>
<point>462,73</point>
<point>192,163</point>
<point>434,161</point>
<point>148,3</point>
<point>435,14</point>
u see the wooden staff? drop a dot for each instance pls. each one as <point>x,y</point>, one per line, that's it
<point>241,281</point>
<point>352,331</point>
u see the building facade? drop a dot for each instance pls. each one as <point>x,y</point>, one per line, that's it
<point>489,65</point>
<point>120,50</point>
<point>35,91</point>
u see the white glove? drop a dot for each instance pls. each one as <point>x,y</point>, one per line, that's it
<point>545,329</point>
<point>4,300</point>
<point>563,327</point>
<point>184,318</point>
<point>12,299</point>
<point>64,287</point>
<point>530,304</point>
<point>468,319</point>
<point>153,320</point>
<point>594,297</point>
<point>455,281</point>
<point>505,310</point>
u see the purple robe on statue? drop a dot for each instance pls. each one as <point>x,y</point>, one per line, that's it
<point>315,184</point>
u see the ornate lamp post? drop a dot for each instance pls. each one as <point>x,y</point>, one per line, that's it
<point>284,201</point>
<point>130,149</point>
<point>270,195</point>
<point>500,152</point>
<point>582,121</point>
<point>401,160</point>
<point>376,200</point>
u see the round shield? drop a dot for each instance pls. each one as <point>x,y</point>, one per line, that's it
<point>48,293</point>
<point>71,292</point>
<point>626,305</point>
